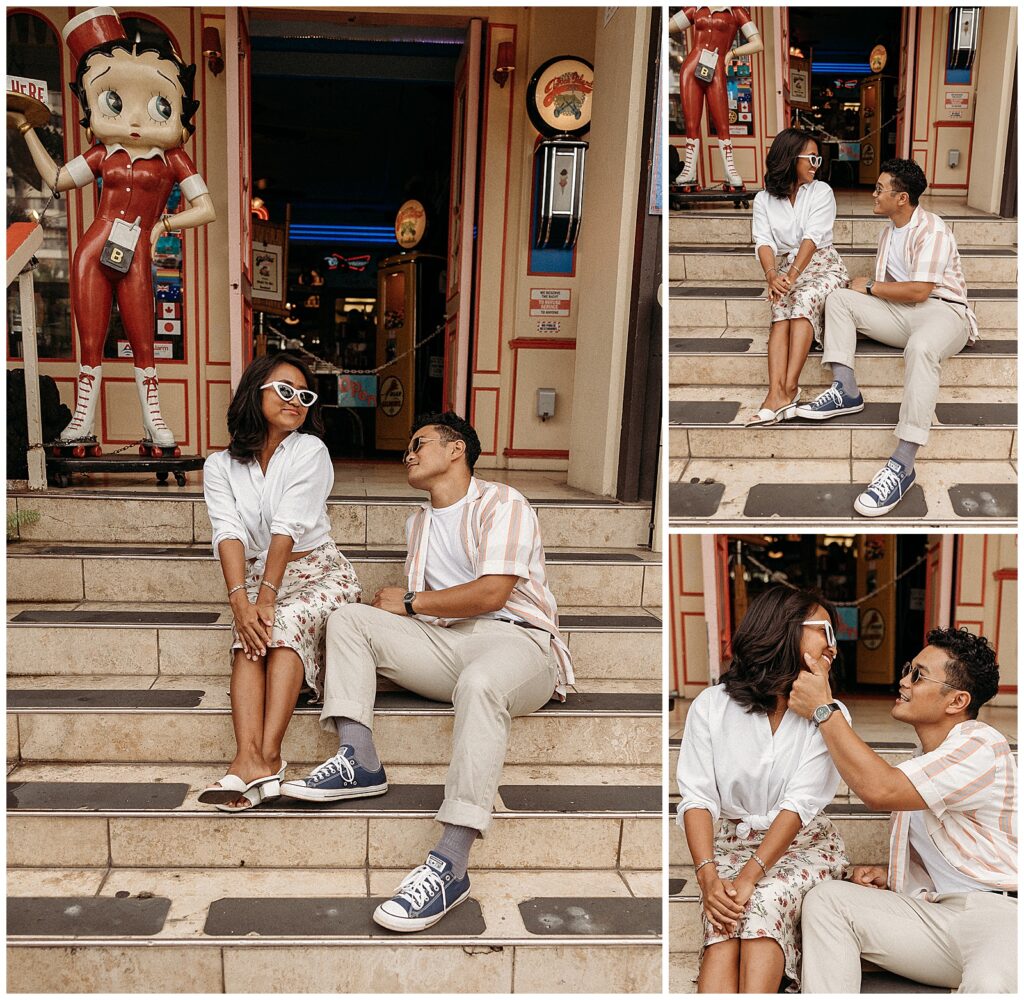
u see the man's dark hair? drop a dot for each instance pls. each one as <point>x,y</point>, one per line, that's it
<point>186,77</point>
<point>246,423</point>
<point>780,164</point>
<point>766,647</point>
<point>906,176</point>
<point>971,665</point>
<point>451,427</point>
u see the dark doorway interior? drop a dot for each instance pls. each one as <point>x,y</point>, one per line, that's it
<point>348,122</point>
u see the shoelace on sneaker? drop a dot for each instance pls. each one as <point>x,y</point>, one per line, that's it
<point>831,395</point>
<point>885,483</point>
<point>338,764</point>
<point>420,886</point>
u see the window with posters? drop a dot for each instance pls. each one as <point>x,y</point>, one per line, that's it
<point>739,86</point>
<point>33,60</point>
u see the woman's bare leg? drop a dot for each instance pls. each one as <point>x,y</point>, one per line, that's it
<point>762,965</point>
<point>284,681</point>
<point>720,968</point>
<point>248,686</point>
<point>778,365</point>
<point>801,335</point>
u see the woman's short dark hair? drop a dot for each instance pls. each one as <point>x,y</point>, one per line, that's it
<point>246,423</point>
<point>906,176</point>
<point>766,647</point>
<point>451,427</point>
<point>971,664</point>
<point>780,165</point>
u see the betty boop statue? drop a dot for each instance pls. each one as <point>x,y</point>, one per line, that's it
<point>137,109</point>
<point>702,79</point>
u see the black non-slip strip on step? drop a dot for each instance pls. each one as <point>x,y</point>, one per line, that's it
<point>94,796</point>
<point>162,698</point>
<point>398,798</point>
<point>815,502</point>
<point>843,809</point>
<point>598,622</point>
<point>984,500</point>
<point>154,618</point>
<point>600,701</point>
<point>686,413</point>
<point>757,292</point>
<point>581,798</point>
<point>977,414</point>
<point>685,346</point>
<point>609,916</point>
<point>888,982</point>
<point>725,250</point>
<point>676,886</point>
<point>325,917</point>
<point>701,412</point>
<point>85,916</point>
<point>694,499</point>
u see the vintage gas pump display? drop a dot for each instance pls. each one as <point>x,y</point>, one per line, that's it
<point>137,109</point>
<point>559,104</point>
<point>702,81</point>
<point>410,308</point>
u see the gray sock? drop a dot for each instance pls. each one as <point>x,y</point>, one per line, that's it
<point>360,738</point>
<point>454,844</point>
<point>905,453</point>
<point>846,379</point>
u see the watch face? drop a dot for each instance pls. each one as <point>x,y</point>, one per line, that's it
<point>822,713</point>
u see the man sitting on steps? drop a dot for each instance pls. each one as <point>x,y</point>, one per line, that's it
<point>917,300</point>
<point>944,911</point>
<point>477,627</point>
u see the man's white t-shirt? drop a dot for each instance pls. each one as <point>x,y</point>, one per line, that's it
<point>944,876</point>
<point>447,563</point>
<point>896,261</point>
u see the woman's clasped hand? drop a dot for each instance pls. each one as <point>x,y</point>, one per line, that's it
<point>721,905</point>
<point>254,623</point>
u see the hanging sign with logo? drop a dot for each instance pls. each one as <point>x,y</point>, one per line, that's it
<point>410,224</point>
<point>558,99</point>
<point>392,396</point>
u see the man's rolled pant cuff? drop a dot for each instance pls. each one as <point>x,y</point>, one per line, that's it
<point>830,358</point>
<point>458,813</point>
<point>339,708</point>
<point>907,432</point>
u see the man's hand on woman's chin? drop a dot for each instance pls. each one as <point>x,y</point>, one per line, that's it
<point>811,688</point>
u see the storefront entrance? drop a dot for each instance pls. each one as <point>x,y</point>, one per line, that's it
<point>350,120</point>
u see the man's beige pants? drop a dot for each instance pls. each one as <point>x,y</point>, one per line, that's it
<point>965,941</point>
<point>489,670</point>
<point>928,332</point>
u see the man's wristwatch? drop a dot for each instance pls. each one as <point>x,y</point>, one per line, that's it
<point>408,599</point>
<point>869,286</point>
<point>823,712</point>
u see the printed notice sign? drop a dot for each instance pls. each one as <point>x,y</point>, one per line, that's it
<point>957,99</point>
<point>550,301</point>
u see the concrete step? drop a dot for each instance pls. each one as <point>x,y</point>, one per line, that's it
<point>970,422</point>
<point>739,356</point>
<point>864,831</point>
<point>733,227</point>
<point>699,262</point>
<point>179,517</point>
<point>141,639</point>
<point>62,571</point>
<point>214,931</point>
<point>188,719</point>
<point>147,815</point>
<point>749,492</point>
<point>730,303</point>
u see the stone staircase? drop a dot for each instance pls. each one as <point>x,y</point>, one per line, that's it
<point>864,831</point>
<point>118,715</point>
<point>803,472</point>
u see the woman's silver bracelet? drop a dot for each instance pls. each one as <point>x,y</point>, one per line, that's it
<point>760,862</point>
<point>236,588</point>
<point>267,583</point>
<point>706,861</point>
<point>771,270</point>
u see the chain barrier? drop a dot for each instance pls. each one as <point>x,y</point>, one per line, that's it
<point>387,364</point>
<point>776,576</point>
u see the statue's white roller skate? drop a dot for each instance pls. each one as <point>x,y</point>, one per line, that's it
<point>159,437</point>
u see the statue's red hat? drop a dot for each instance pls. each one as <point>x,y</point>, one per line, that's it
<point>93,27</point>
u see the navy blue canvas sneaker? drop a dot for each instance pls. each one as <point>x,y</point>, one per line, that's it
<point>340,777</point>
<point>833,402</point>
<point>426,894</point>
<point>887,489</point>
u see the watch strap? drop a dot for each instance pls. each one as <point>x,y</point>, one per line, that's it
<point>407,600</point>
<point>870,285</point>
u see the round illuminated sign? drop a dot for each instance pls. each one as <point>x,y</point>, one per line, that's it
<point>872,628</point>
<point>558,99</point>
<point>878,59</point>
<point>391,398</point>
<point>410,224</point>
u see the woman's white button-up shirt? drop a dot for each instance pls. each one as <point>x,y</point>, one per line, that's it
<point>784,226</point>
<point>291,499</point>
<point>732,765</point>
